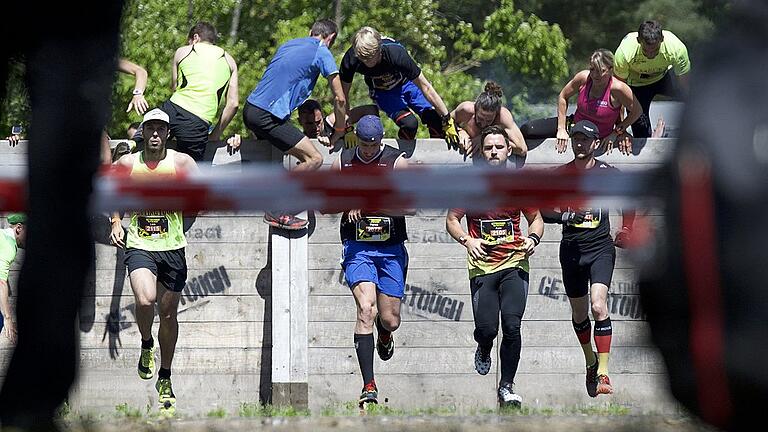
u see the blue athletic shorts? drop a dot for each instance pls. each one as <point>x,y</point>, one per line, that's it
<point>385,266</point>
<point>400,99</point>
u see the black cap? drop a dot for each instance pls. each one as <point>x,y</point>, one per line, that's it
<point>585,127</point>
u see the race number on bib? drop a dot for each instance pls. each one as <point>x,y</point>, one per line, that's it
<point>497,231</point>
<point>373,229</point>
<point>591,219</point>
<point>152,226</point>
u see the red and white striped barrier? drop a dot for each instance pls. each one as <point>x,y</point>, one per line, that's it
<point>272,187</point>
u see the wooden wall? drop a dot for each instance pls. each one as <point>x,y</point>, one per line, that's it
<point>224,354</point>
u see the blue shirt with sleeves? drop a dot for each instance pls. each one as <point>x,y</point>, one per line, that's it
<point>291,76</point>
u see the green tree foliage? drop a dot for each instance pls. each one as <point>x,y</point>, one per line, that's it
<point>528,46</point>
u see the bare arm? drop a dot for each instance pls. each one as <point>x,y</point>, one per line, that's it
<point>345,87</point>
<point>684,84</point>
<point>5,307</point>
<point>517,142</point>
<point>431,94</point>
<point>138,102</point>
<point>628,100</point>
<point>339,107</point>
<point>475,246</point>
<point>177,56</point>
<point>233,101</point>
<point>535,230</point>
<point>569,90</point>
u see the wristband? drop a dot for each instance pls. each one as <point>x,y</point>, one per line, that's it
<point>535,237</point>
<point>340,129</point>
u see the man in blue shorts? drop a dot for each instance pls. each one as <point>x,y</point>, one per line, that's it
<point>286,84</point>
<point>375,260</point>
<point>397,85</point>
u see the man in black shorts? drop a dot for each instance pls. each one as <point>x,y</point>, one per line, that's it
<point>202,75</point>
<point>287,82</point>
<point>155,256</point>
<point>587,257</point>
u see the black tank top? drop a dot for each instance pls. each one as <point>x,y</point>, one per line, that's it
<point>377,228</point>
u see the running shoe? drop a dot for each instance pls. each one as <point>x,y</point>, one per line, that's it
<point>592,378</point>
<point>146,366</point>
<point>604,385</point>
<point>507,396</point>
<point>385,350</point>
<point>285,221</point>
<point>482,361</point>
<point>370,394</point>
<point>166,400</point>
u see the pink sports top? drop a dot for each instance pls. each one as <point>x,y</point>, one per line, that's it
<point>598,111</point>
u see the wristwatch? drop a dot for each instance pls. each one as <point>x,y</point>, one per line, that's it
<point>462,240</point>
<point>137,92</point>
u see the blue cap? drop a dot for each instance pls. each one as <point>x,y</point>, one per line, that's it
<point>369,128</point>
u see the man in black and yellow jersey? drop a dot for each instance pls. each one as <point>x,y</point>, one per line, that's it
<point>203,74</point>
<point>587,257</point>
<point>497,255</point>
<point>154,255</point>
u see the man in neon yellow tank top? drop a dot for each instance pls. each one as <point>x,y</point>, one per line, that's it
<point>155,256</point>
<point>202,75</point>
<point>652,61</point>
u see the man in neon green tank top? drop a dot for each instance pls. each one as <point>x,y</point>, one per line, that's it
<point>155,256</point>
<point>652,61</point>
<point>202,75</point>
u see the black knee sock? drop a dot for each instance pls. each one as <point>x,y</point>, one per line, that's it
<point>147,344</point>
<point>364,349</point>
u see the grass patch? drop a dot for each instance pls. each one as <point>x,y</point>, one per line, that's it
<point>611,409</point>
<point>217,413</point>
<point>259,410</point>
<point>127,411</point>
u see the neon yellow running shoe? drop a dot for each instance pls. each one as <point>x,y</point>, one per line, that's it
<point>166,400</point>
<point>146,367</point>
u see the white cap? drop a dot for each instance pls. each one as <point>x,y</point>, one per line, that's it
<point>156,114</point>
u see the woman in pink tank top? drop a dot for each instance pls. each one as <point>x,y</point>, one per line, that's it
<point>600,100</point>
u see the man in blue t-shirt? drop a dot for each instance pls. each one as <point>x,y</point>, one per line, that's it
<point>287,82</point>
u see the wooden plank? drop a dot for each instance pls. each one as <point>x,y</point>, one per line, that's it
<point>624,360</point>
<point>642,393</point>
<point>538,308</point>
<point>299,307</point>
<point>431,229</point>
<point>645,151</point>
<point>281,306</point>
<point>456,281</point>
<point>444,256</point>
<point>440,334</point>
<point>408,391</point>
<point>208,309</point>
<point>185,361</point>
<point>125,338</point>
<point>99,391</point>
<point>203,256</point>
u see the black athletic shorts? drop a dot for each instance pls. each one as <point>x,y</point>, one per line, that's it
<point>583,266</point>
<point>280,133</point>
<point>170,267</point>
<point>189,130</point>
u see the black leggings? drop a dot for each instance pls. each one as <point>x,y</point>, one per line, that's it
<point>543,128</point>
<point>667,86</point>
<point>504,291</point>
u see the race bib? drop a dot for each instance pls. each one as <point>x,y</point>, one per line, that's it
<point>373,229</point>
<point>591,219</point>
<point>497,231</point>
<point>152,226</point>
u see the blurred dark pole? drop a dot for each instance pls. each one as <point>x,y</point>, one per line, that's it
<point>70,50</point>
<point>705,292</point>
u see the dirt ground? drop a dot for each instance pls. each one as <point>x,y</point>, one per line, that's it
<point>487,423</point>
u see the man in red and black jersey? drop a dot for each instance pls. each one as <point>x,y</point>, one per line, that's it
<point>375,260</point>
<point>497,253</point>
<point>587,257</point>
